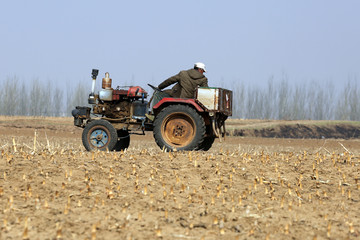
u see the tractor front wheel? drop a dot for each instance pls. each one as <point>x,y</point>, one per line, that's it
<point>179,127</point>
<point>99,135</point>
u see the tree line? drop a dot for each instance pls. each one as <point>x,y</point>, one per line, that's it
<point>283,101</point>
<point>38,99</point>
<point>275,100</point>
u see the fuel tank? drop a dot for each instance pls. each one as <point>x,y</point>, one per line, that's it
<point>139,108</point>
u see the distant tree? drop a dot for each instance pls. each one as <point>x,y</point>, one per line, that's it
<point>34,97</point>
<point>318,103</point>
<point>283,100</point>
<point>354,102</point>
<point>269,100</point>
<point>46,99</point>
<point>250,102</point>
<point>23,104</point>
<point>256,106</point>
<point>298,103</point>
<point>77,97</point>
<point>329,101</point>
<point>348,102</point>
<point>238,100</point>
<point>10,96</point>
<point>58,103</point>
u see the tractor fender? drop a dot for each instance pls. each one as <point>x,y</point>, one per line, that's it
<point>168,101</point>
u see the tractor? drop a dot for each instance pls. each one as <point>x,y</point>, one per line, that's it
<point>177,124</point>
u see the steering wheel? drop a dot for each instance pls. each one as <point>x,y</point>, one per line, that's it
<point>155,88</point>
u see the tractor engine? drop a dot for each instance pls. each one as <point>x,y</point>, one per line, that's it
<point>118,109</point>
<point>122,103</point>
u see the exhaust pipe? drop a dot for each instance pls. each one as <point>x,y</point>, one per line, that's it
<point>91,99</point>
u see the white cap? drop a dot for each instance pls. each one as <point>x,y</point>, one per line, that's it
<point>200,65</point>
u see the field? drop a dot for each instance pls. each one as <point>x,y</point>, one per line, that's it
<point>248,187</point>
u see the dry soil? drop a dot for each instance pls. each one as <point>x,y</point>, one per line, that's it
<point>242,188</point>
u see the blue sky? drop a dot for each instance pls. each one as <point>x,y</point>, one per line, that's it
<point>144,42</point>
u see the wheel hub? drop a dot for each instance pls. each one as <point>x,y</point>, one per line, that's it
<point>178,130</point>
<point>99,138</point>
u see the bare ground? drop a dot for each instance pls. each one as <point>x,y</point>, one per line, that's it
<point>244,188</point>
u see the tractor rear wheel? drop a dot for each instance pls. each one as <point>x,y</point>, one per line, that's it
<point>123,140</point>
<point>179,127</point>
<point>99,135</point>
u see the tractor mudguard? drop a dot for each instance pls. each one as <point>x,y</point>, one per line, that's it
<point>188,101</point>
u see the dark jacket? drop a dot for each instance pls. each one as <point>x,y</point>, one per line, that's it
<point>187,81</point>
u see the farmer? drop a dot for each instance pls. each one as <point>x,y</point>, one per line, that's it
<point>186,82</point>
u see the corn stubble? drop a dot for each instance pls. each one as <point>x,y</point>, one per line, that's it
<point>65,193</point>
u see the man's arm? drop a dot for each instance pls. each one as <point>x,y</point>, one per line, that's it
<point>204,83</point>
<point>169,81</point>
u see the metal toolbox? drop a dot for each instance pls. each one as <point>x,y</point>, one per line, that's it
<point>215,99</point>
